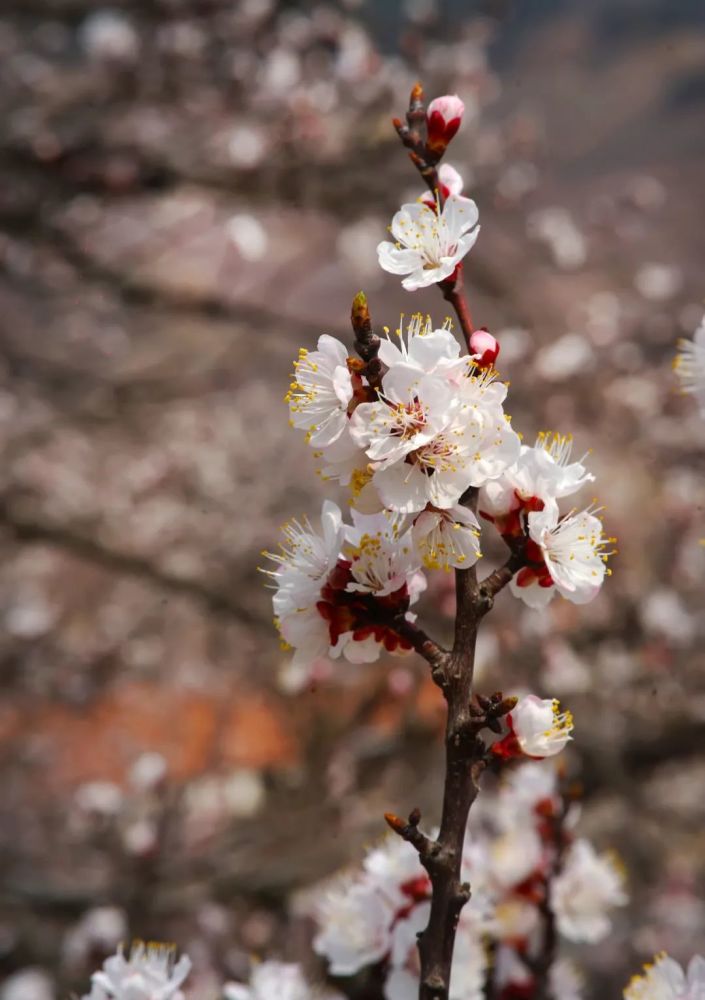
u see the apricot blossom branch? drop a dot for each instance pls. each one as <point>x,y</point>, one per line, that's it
<point>416,431</point>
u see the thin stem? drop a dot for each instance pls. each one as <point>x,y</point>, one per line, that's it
<point>453,292</point>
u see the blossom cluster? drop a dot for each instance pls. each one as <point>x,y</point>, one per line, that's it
<point>410,427</point>
<point>565,554</point>
<point>152,972</point>
<point>337,591</point>
<point>393,892</point>
<point>408,449</point>
<point>521,856</point>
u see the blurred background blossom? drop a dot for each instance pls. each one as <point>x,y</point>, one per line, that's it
<point>189,191</point>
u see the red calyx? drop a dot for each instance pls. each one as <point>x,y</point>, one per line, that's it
<point>346,611</point>
<point>439,131</point>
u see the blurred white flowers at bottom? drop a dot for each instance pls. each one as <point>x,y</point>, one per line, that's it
<point>584,891</point>
<point>276,981</point>
<point>150,973</point>
<point>664,979</point>
<point>355,926</point>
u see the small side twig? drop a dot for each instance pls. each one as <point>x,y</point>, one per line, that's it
<point>499,578</point>
<point>425,646</point>
<point>411,136</point>
<point>428,849</point>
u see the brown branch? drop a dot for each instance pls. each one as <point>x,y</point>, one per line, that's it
<point>464,765</point>
<point>425,646</point>
<point>499,578</point>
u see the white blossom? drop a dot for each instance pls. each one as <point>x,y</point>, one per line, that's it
<point>664,979</point>
<point>427,443</point>
<point>150,973</point>
<point>393,867</point>
<point>431,351</point>
<point>429,243</point>
<point>355,922</point>
<point>447,538</point>
<point>513,855</point>
<point>345,462</point>
<point>540,727</point>
<point>543,472</point>
<point>304,563</point>
<point>382,557</point>
<point>403,978</point>
<point>570,556</point>
<point>689,365</point>
<point>564,981</point>
<point>318,577</point>
<point>584,891</point>
<point>525,787</point>
<point>514,919</point>
<point>318,397</point>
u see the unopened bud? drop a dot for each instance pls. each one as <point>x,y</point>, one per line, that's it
<point>415,817</point>
<point>506,705</point>
<point>443,119</point>
<point>395,822</point>
<point>484,348</point>
<point>360,312</point>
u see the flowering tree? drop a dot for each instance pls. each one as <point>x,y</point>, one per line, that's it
<point>415,428</point>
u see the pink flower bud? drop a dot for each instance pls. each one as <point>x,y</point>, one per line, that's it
<point>443,119</point>
<point>484,348</point>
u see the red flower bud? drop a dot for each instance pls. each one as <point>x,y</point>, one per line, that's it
<point>484,348</point>
<point>443,119</point>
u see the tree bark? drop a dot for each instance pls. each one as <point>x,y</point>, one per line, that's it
<point>464,752</point>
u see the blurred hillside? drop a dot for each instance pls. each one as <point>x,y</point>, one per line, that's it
<point>189,191</point>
